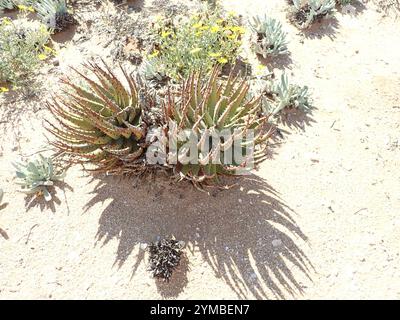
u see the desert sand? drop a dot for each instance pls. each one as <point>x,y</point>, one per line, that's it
<point>318,220</point>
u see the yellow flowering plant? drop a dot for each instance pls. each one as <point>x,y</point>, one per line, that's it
<point>197,43</point>
<point>22,50</point>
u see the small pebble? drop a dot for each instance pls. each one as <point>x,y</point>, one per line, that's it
<point>277,242</point>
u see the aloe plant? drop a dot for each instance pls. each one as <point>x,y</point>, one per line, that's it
<point>150,70</point>
<point>100,120</point>
<point>36,176</point>
<point>204,106</point>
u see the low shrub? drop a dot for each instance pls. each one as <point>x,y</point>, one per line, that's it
<point>22,50</point>
<point>197,43</point>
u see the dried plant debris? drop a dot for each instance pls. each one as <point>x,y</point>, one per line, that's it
<point>303,13</point>
<point>389,6</point>
<point>165,256</point>
<point>343,2</point>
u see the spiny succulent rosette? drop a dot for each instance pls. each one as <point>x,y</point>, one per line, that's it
<point>215,129</point>
<point>112,127</point>
<point>101,121</point>
<point>36,176</point>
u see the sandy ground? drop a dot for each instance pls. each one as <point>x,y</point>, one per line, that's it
<point>319,220</point>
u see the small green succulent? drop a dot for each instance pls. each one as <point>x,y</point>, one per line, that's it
<point>54,13</point>
<point>35,176</point>
<point>303,13</point>
<point>280,96</point>
<point>150,70</point>
<point>268,38</point>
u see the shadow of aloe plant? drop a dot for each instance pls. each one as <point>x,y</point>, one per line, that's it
<point>247,235</point>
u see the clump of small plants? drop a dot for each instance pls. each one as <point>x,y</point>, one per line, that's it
<point>165,256</point>
<point>281,97</point>
<point>183,45</point>
<point>268,38</point>
<point>36,176</point>
<point>55,14</point>
<point>22,50</point>
<point>303,13</point>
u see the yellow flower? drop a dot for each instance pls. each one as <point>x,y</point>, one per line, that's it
<point>3,89</point>
<point>25,8</point>
<point>165,34</point>
<point>240,30</point>
<point>197,25</point>
<point>219,21</point>
<point>215,55</point>
<point>260,69</point>
<point>222,60</point>
<point>42,28</point>
<point>204,28</point>
<point>154,54</point>
<point>198,33</point>
<point>6,21</point>
<point>42,56</point>
<point>215,29</point>
<point>195,50</point>
<point>49,50</point>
